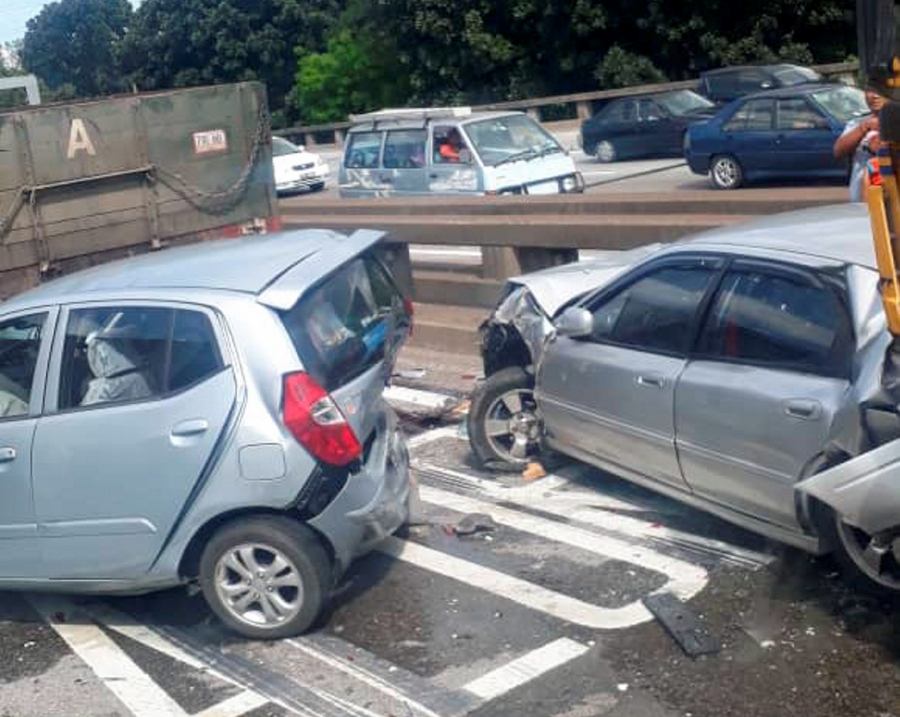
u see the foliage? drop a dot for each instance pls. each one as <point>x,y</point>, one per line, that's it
<point>180,43</point>
<point>76,42</point>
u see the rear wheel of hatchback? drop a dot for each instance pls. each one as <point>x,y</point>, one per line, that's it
<point>265,577</point>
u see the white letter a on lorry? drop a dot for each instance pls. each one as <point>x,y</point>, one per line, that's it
<point>79,139</point>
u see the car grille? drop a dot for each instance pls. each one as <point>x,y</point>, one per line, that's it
<point>301,167</point>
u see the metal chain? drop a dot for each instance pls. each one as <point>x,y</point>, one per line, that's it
<point>221,201</point>
<point>6,220</point>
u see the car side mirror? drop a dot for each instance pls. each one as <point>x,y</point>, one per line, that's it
<point>575,322</point>
<point>465,156</point>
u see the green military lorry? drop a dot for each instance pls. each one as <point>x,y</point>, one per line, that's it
<point>84,183</point>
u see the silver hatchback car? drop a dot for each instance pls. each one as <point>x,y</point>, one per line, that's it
<point>211,413</point>
<point>747,372</point>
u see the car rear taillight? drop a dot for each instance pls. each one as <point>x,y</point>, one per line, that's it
<point>315,420</point>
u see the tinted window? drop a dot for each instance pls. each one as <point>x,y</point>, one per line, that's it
<point>20,343</point>
<point>347,324</point>
<point>118,354</point>
<point>363,149</point>
<point>796,76</point>
<point>797,114</point>
<point>649,110</point>
<point>722,85</point>
<point>778,320</point>
<point>405,149</point>
<point>656,312</point>
<point>619,112</point>
<point>753,116</point>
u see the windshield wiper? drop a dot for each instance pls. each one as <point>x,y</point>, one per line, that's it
<point>550,149</point>
<point>516,156</point>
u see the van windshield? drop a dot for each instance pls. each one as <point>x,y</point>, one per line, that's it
<point>507,139</point>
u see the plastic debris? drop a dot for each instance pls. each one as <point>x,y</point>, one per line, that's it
<point>681,624</point>
<point>534,471</point>
<point>622,687</point>
<point>411,373</point>
<point>474,523</point>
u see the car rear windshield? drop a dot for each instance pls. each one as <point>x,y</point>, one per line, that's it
<point>348,323</point>
<point>842,103</point>
<point>796,76</point>
<point>684,102</point>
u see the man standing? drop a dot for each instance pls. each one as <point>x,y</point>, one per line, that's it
<point>860,138</point>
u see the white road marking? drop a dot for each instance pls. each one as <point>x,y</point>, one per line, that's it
<point>599,171</point>
<point>685,579</point>
<point>134,687</point>
<point>130,628</point>
<point>432,436</point>
<point>526,668</point>
<point>521,591</point>
<point>475,252</point>
<point>235,706</point>
<point>419,399</point>
<point>594,508</point>
<point>363,676</point>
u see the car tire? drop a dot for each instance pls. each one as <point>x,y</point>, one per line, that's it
<point>606,152</point>
<point>725,172</point>
<point>506,396</point>
<point>849,545</point>
<point>239,563</point>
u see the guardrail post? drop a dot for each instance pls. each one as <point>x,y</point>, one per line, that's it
<point>534,113</point>
<point>309,139</point>
<point>338,138</point>
<point>583,109</point>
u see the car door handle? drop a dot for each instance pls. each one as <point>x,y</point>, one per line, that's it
<point>190,428</point>
<point>7,455</point>
<point>650,381</point>
<point>805,409</point>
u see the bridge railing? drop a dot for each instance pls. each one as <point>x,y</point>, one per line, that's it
<point>333,133</point>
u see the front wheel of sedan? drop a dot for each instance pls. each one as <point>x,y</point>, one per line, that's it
<point>870,561</point>
<point>725,172</point>
<point>504,422</point>
<point>265,578</point>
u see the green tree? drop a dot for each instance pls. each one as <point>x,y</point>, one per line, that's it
<point>76,42</point>
<point>181,43</point>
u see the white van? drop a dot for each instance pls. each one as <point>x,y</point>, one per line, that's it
<point>453,151</point>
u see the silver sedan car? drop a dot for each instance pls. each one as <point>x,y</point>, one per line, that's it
<point>212,413</point>
<point>747,372</point>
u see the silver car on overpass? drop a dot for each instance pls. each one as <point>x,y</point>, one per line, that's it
<point>747,372</point>
<point>211,413</point>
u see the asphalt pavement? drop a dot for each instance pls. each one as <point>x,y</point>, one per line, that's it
<point>539,612</point>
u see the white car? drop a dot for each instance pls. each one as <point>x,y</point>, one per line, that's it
<point>296,169</point>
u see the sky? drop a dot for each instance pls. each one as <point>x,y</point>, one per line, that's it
<point>16,13</point>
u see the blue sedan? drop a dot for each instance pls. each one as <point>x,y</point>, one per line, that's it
<point>789,132</point>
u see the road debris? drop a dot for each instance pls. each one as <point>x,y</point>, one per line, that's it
<point>681,624</point>
<point>534,471</point>
<point>474,523</point>
<point>411,373</point>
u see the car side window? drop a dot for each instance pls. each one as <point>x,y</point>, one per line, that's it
<point>122,354</point>
<point>797,114</point>
<point>20,344</point>
<point>656,312</point>
<point>753,116</point>
<point>778,320</point>
<point>649,110</point>
<point>363,150</point>
<point>404,149</point>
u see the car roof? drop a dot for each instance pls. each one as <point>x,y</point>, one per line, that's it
<point>401,122</point>
<point>840,232</point>
<point>765,68</point>
<point>805,89</point>
<point>247,265</point>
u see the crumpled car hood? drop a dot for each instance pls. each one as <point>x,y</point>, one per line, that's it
<point>553,287</point>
